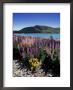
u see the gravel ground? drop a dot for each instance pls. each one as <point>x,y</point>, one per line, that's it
<point>24,73</point>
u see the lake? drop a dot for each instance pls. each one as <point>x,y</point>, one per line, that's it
<point>45,35</point>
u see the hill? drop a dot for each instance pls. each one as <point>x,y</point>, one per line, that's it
<point>38,29</point>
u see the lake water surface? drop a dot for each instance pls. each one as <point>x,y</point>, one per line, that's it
<point>46,35</point>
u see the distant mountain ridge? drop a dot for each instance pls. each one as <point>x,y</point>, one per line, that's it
<point>38,29</point>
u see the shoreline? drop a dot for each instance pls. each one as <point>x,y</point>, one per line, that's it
<point>32,37</point>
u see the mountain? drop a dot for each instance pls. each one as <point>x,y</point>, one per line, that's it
<point>38,29</point>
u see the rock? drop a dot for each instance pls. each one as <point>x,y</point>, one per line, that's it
<point>27,73</point>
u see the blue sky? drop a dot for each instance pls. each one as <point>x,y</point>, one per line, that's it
<point>21,20</point>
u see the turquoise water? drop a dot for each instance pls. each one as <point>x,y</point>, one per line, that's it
<point>46,35</point>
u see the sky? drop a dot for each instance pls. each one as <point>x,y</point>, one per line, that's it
<point>22,20</point>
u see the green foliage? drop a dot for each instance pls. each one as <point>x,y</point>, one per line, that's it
<point>42,54</point>
<point>16,54</point>
<point>56,67</point>
<point>49,63</point>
